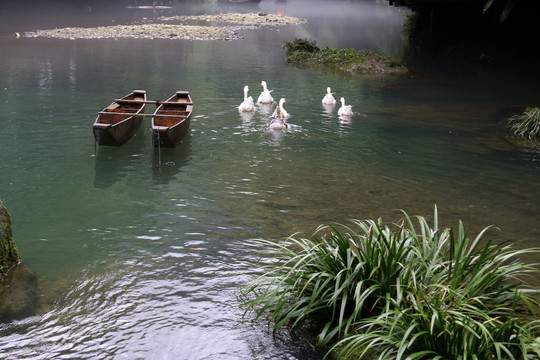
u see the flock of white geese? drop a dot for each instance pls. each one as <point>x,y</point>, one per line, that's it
<point>280,114</point>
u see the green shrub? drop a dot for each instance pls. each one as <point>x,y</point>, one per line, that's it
<point>401,291</point>
<point>306,53</point>
<point>301,45</point>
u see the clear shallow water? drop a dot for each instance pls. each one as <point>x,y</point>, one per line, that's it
<point>140,261</point>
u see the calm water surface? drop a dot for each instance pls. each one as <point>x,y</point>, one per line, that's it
<point>141,261</point>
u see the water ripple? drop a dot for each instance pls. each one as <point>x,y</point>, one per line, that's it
<point>179,305</point>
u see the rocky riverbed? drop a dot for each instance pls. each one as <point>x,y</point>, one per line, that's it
<point>217,28</point>
<point>251,19</point>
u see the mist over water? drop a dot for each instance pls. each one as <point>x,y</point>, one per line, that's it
<point>141,261</point>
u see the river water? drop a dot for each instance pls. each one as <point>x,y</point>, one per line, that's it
<point>142,254</point>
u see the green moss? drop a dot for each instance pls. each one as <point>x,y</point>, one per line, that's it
<point>9,255</point>
<point>305,52</point>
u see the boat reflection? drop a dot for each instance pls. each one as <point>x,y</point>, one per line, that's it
<point>113,164</point>
<point>167,162</point>
<point>117,164</point>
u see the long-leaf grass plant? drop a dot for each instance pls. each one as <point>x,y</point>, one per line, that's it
<point>527,124</point>
<point>332,279</point>
<point>402,291</point>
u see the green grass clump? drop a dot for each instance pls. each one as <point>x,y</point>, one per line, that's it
<point>527,124</point>
<point>303,51</point>
<point>403,291</point>
<point>306,53</point>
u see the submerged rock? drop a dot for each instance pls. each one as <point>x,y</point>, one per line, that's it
<point>18,283</point>
<point>376,63</point>
<point>18,293</point>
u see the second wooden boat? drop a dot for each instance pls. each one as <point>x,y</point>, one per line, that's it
<point>119,121</point>
<point>170,121</point>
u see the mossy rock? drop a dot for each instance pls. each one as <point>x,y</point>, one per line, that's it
<point>303,52</point>
<point>9,255</point>
<point>18,283</point>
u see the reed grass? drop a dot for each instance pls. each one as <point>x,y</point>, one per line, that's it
<point>526,124</point>
<point>403,291</point>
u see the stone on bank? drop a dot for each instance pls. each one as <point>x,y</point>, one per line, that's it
<point>18,283</point>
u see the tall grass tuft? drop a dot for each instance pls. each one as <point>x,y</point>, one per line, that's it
<point>526,124</point>
<point>405,291</point>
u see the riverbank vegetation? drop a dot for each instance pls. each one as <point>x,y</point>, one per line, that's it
<point>473,36</point>
<point>527,124</point>
<point>304,52</point>
<point>406,290</point>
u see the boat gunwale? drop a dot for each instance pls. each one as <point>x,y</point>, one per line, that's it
<point>128,117</point>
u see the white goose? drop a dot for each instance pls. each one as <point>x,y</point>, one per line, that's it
<point>278,122</point>
<point>247,104</point>
<point>265,97</point>
<point>280,111</point>
<point>345,110</point>
<point>328,99</point>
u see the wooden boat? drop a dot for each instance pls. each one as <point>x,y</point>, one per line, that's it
<point>170,121</point>
<point>119,122</point>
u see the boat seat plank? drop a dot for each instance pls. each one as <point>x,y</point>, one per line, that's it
<point>167,121</point>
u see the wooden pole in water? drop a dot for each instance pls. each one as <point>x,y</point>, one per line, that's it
<point>137,114</point>
<point>155,102</point>
<point>159,150</point>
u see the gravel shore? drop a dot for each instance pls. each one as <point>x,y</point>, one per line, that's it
<point>175,31</point>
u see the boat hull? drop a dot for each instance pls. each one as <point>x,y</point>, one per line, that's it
<point>169,129</point>
<point>115,125</point>
<point>171,136</point>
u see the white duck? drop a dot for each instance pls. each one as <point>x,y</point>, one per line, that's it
<point>280,111</point>
<point>328,99</point>
<point>265,97</point>
<point>345,110</point>
<point>247,104</point>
